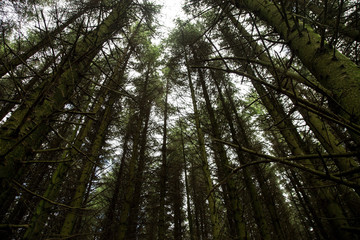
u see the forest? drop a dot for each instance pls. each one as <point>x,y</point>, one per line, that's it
<point>242,122</point>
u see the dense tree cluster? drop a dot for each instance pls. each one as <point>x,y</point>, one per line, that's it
<point>243,123</point>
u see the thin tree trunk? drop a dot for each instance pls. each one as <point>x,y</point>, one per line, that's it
<point>51,97</point>
<point>109,224</point>
<point>77,200</point>
<point>163,170</point>
<point>216,225</point>
<point>193,236</point>
<point>43,43</point>
<point>336,73</point>
<point>136,201</point>
<point>134,160</point>
<point>251,188</point>
<point>232,201</point>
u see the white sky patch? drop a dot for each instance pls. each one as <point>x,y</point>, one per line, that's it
<point>171,10</point>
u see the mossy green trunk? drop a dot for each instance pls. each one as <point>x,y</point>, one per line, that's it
<point>53,94</point>
<point>193,236</point>
<point>321,130</point>
<point>139,126</point>
<point>240,137</point>
<point>132,225</point>
<point>235,202</point>
<point>43,43</point>
<point>53,189</point>
<point>330,20</point>
<point>293,139</point>
<point>215,221</point>
<point>232,200</point>
<point>43,208</point>
<point>272,204</point>
<point>88,166</point>
<point>336,73</point>
<point>333,209</point>
<point>130,188</point>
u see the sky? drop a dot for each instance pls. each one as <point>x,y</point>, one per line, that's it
<point>170,11</point>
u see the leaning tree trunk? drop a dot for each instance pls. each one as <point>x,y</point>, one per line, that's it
<point>231,198</point>
<point>97,143</point>
<point>10,65</point>
<point>241,138</point>
<point>320,129</point>
<point>27,123</point>
<point>215,221</point>
<point>335,72</point>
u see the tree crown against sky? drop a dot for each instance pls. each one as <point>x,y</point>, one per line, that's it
<point>238,121</point>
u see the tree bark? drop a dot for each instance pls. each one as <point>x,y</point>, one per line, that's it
<point>53,94</point>
<point>216,225</point>
<point>336,73</point>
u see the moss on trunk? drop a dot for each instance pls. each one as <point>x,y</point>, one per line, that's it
<point>336,73</point>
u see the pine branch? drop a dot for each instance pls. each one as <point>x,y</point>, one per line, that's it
<point>300,101</point>
<point>50,150</point>
<point>9,100</point>
<point>76,148</point>
<point>46,199</point>
<point>2,226</point>
<point>290,162</point>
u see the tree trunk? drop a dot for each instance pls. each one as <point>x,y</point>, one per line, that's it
<point>97,143</point>
<point>163,170</point>
<point>54,93</point>
<point>193,236</point>
<point>336,73</point>
<point>216,225</point>
<point>232,200</point>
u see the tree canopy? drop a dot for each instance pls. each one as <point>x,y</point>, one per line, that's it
<point>242,122</point>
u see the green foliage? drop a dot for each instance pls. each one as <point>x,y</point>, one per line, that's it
<point>106,66</point>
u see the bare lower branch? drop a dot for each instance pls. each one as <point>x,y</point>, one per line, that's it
<point>2,226</point>
<point>46,199</point>
<point>289,162</point>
